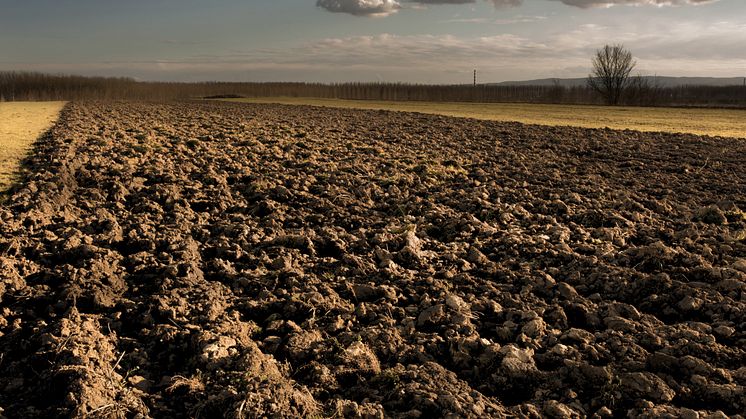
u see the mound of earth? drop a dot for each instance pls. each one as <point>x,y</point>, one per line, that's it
<point>231,260</point>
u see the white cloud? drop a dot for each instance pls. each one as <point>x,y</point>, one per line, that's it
<point>679,48</point>
<point>509,21</point>
<point>377,8</point>
<point>686,48</point>
<point>585,4</point>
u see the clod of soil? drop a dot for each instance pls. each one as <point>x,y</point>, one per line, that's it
<point>215,259</point>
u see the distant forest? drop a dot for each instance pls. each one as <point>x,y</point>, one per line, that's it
<point>18,86</point>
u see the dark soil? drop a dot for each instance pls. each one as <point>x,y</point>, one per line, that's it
<point>228,260</point>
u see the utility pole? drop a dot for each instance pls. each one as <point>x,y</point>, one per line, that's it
<point>475,77</point>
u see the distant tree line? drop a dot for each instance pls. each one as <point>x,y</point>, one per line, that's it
<point>17,86</point>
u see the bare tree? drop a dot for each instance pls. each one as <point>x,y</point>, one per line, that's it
<point>612,66</point>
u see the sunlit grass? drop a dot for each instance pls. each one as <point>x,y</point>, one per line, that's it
<point>21,123</point>
<point>715,122</point>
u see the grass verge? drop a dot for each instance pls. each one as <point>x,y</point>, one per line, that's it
<point>715,122</point>
<point>21,123</point>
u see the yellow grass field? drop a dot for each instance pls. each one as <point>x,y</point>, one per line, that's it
<point>21,123</point>
<point>715,122</point>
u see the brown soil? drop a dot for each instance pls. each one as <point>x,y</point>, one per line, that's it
<point>215,259</point>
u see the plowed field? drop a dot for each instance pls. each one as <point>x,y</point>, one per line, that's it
<point>236,260</point>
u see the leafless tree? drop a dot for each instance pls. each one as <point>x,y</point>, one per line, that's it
<point>612,66</point>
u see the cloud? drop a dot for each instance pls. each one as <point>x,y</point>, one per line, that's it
<point>443,1</point>
<point>683,48</point>
<point>520,19</point>
<point>508,21</point>
<point>586,4</point>
<point>377,8</point>
<point>497,3</point>
<point>506,3</point>
<point>360,7</point>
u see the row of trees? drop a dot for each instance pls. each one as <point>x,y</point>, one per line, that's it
<point>611,80</point>
<point>635,91</point>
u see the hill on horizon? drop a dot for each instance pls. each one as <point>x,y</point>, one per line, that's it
<point>662,81</point>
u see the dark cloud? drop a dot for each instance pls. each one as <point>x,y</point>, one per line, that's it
<point>387,7</point>
<point>360,7</point>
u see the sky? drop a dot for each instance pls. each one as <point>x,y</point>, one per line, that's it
<point>415,41</point>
